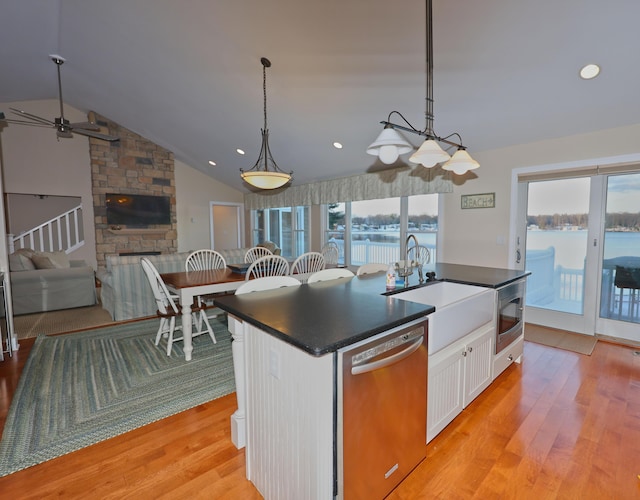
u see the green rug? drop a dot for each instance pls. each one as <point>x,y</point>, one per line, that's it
<point>82,388</point>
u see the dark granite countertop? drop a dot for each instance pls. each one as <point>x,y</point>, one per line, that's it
<point>489,277</point>
<point>324,317</point>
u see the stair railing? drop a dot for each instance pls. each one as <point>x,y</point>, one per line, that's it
<point>63,232</point>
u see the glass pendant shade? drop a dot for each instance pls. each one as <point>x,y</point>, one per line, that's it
<point>389,145</point>
<point>461,162</point>
<point>429,154</point>
<point>266,179</point>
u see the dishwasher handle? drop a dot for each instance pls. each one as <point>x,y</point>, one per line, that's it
<point>381,363</point>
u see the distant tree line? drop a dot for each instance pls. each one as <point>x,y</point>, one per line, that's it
<point>336,217</point>
<point>623,220</point>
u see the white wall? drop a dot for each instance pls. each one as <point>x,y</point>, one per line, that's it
<point>471,236</point>
<point>194,191</point>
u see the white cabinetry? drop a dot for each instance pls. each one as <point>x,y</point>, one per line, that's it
<point>457,375</point>
<point>510,354</point>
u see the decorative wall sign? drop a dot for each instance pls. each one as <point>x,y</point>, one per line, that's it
<point>483,200</point>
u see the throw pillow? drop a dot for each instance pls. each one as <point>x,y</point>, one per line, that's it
<point>51,260</point>
<point>20,260</point>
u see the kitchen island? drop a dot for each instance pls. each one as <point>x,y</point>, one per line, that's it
<point>285,346</point>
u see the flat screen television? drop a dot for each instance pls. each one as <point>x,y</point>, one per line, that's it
<point>137,210</point>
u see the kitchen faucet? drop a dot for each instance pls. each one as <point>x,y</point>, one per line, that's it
<point>418,263</point>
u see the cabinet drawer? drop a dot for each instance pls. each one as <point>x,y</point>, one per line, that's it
<point>507,356</point>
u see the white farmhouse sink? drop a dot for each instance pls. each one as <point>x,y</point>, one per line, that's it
<point>460,309</point>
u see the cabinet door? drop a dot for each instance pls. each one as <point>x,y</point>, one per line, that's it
<point>478,364</point>
<point>446,371</point>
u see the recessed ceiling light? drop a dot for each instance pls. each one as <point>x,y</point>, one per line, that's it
<point>239,151</point>
<point>212,163</point>
<point>337,145</point>
<point>589,71</point>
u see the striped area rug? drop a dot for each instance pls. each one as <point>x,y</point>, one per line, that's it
<point>82,388</point>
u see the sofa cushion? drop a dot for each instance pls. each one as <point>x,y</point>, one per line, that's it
<point>51,260</point>
<point>20,260</point>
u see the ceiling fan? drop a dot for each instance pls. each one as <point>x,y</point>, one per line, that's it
<point>63,128</point>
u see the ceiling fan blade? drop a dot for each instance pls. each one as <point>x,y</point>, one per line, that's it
<point>96,135</point>
<point>36,118</point>
<point>22,122</point>
<point>85,126</point>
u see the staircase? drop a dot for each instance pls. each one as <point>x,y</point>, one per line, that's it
<point>62,233</point>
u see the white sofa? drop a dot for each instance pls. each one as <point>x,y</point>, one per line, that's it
<point>49,281</point>
<point>125,291</point>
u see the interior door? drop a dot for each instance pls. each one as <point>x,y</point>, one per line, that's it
<point>226,225</point>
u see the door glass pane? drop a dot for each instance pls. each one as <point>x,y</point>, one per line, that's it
<point>335,230</point>
<point>620,292</point>
<point>302,230</point>
<point>375,231</point>
<point>423,222</point>
<point>259,230</point>
<point>557,215</point>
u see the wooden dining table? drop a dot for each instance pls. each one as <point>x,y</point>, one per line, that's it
<point>189,285</point>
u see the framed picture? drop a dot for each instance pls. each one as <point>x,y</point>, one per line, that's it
<point>483,200</point>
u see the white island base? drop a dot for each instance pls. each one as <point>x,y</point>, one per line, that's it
<point>285,415</point>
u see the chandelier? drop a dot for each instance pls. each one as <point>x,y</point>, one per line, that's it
<point>265,174</point>
<point>390,144</point>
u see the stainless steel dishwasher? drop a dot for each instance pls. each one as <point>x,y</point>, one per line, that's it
<point>382,411</point>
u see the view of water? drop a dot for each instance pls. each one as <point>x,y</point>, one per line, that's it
<point>571,246</point>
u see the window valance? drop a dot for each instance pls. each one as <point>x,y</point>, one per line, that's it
<point>384,184</point>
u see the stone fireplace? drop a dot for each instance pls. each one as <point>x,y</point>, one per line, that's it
<point>132,165</point>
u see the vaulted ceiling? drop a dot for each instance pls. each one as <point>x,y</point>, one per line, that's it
<point>187,75</point>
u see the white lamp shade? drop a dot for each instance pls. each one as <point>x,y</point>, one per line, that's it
<point>461,162</point>
<point>389,145</point>
<point>429,154</point>
<point>266,179</point>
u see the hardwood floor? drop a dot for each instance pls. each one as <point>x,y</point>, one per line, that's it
<point>561,425</point>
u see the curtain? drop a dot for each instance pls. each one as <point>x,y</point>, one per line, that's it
<point>388,183</point>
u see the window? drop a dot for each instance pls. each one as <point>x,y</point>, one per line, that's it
<point>378,228</point>
<point>287,227</point>
<point>375,231</point>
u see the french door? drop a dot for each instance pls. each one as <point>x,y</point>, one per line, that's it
<point>580,238</point>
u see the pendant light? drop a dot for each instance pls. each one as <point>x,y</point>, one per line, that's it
<point>390,144</point>
<point>265,174</point>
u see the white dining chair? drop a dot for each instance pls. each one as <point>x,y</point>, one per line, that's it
<point>308,262</point>
<point>254,253</point>
<point>371,268</point>
<point>270,265</point>
<point>169,310</point>
<point>419,254</point>
<point>330,274</point>
<point>267,283</point>
<point>331,253</point>
<point>200,260</point>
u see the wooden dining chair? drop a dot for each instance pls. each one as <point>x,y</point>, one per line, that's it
<point>200,260</point>
<point>266,283</point>
<point>330,274</point>
<point>331,253</point>
<point>169,310</point>
<point>371,268</point>
<point>308,262</point>
<point>254,253</point>
<point>269,265</point>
